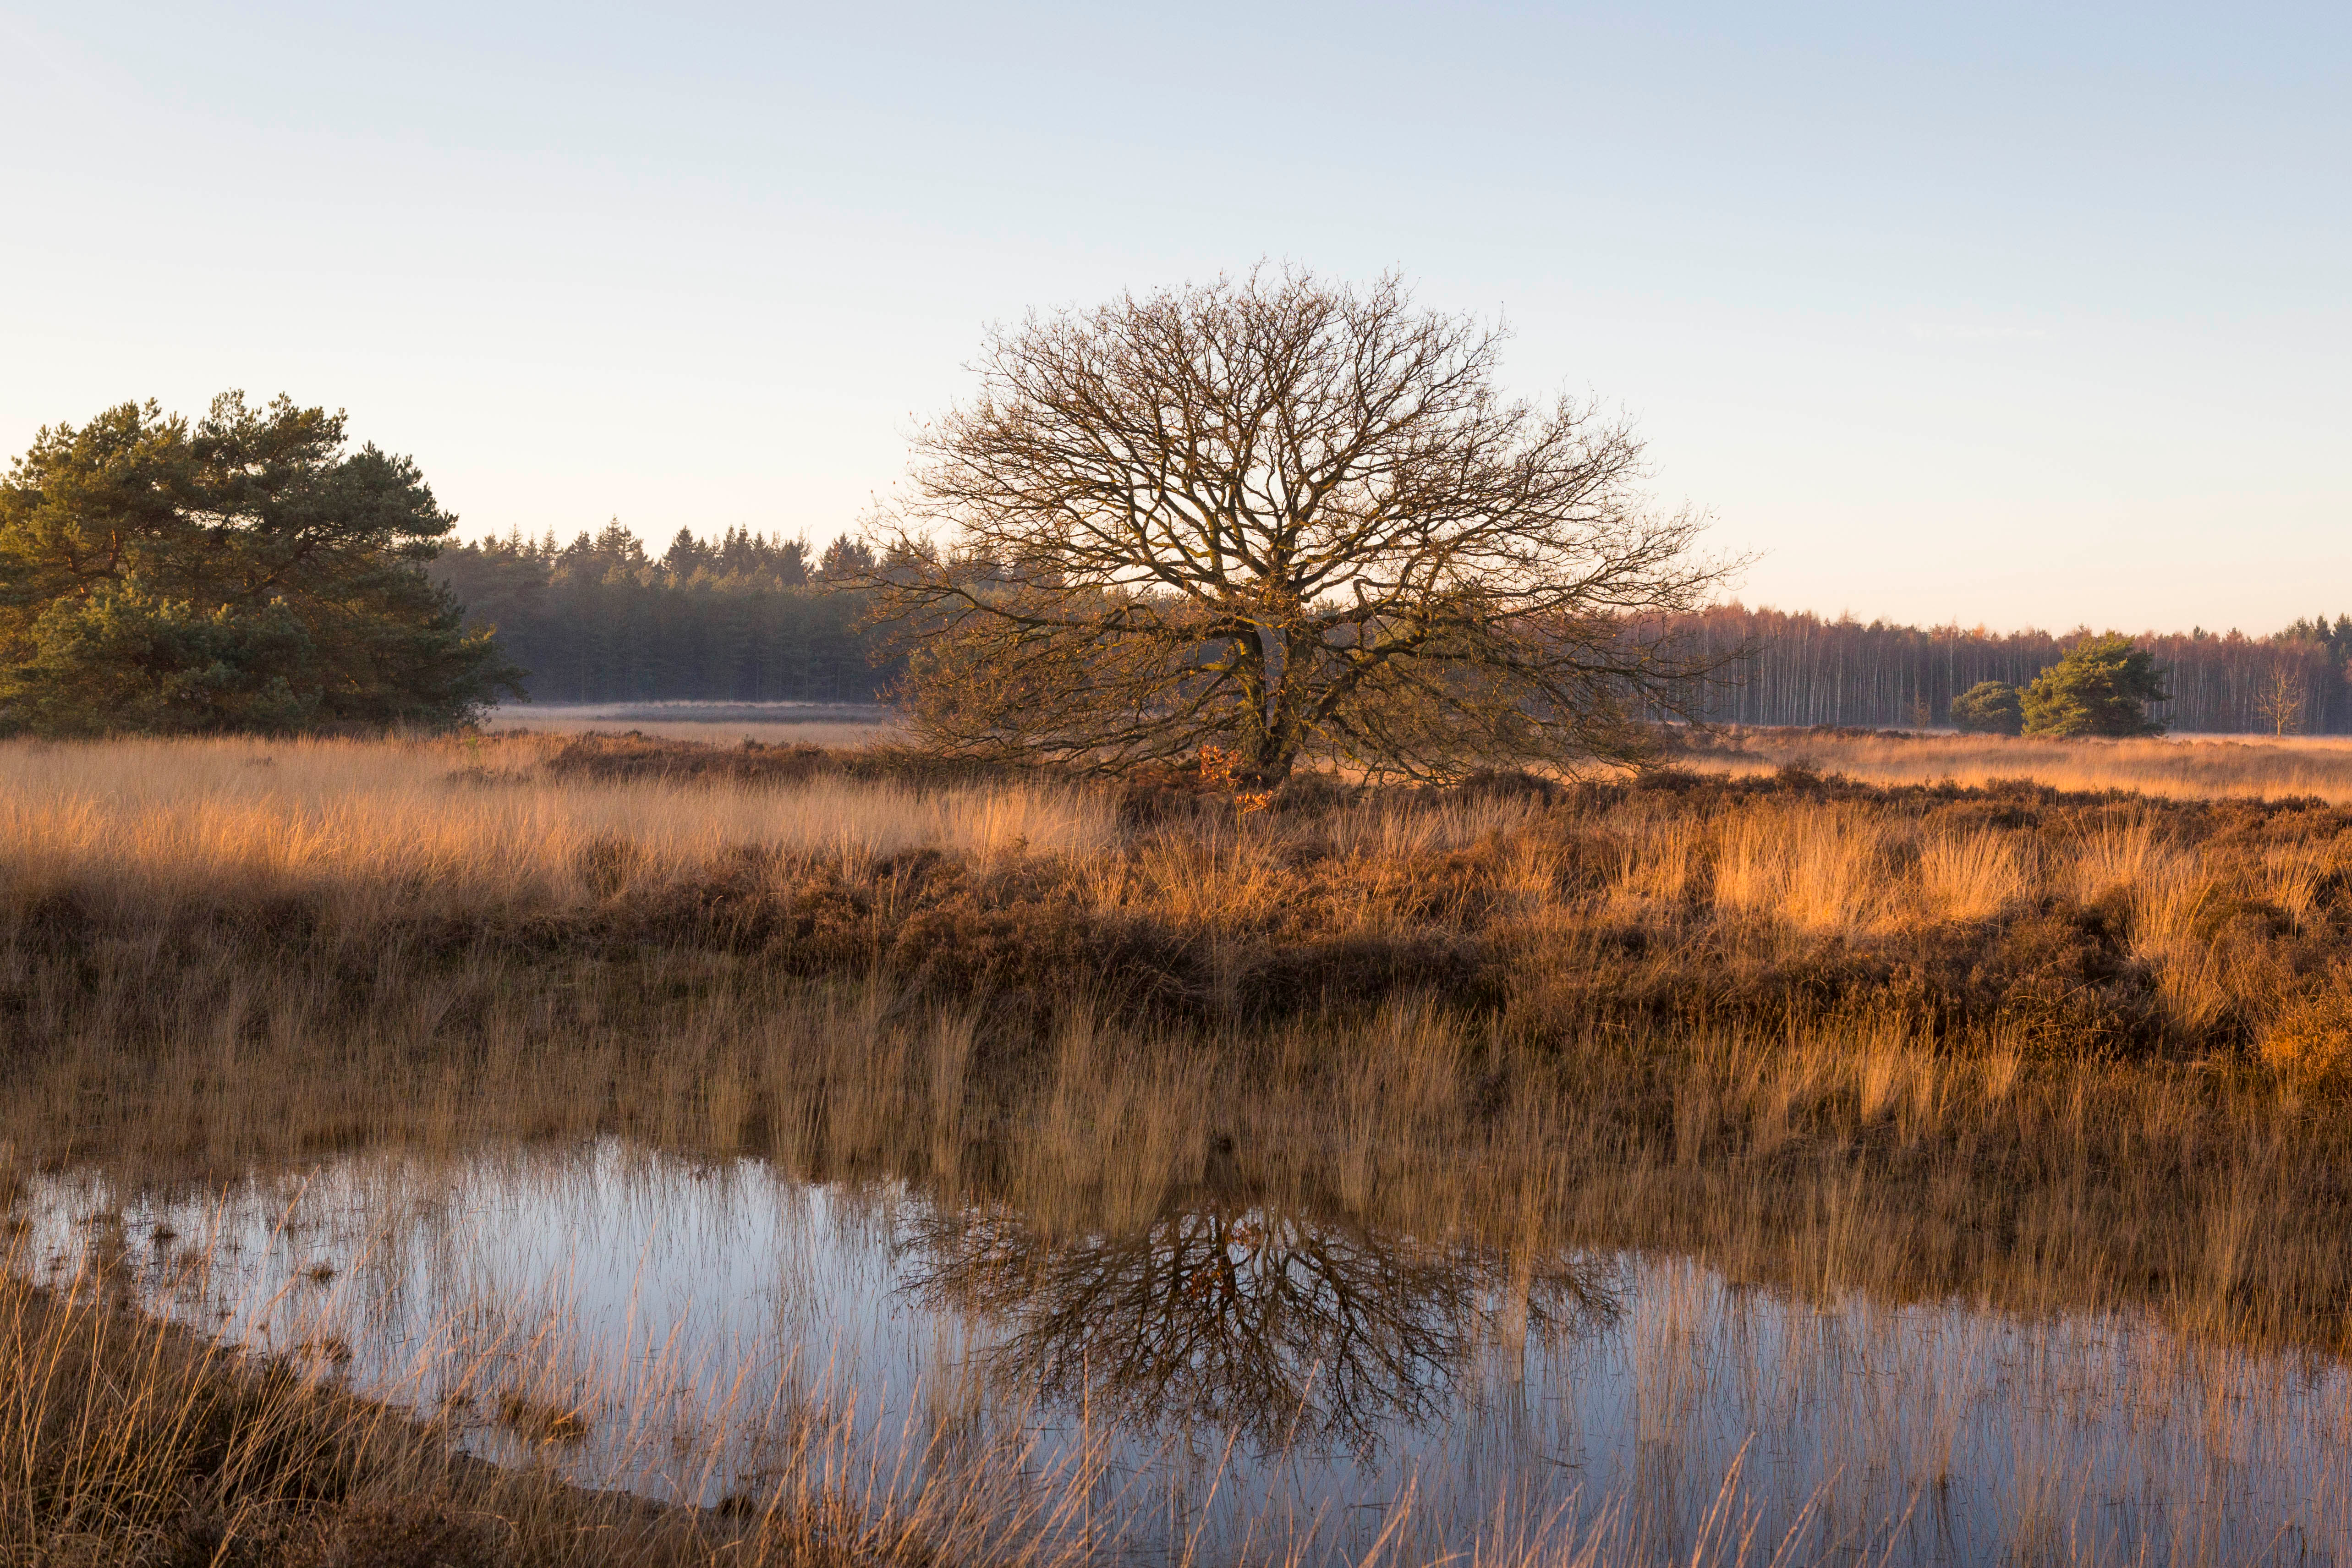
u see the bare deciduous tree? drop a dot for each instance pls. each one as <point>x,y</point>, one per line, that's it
<point>1283,519</point>
<point>2280,701</point>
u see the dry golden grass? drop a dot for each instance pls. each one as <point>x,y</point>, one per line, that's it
<point>1973,874</point>
<point>2078,924</point>
<point>1814,868</point>
<point>178,894</point>
<point>289,814</point>
<point>2180,767</point>
<point>2046,1053</point>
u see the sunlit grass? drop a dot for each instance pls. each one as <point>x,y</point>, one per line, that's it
<point>2185,767</point>
<point>1750,1026</point>
<point>466,821</point>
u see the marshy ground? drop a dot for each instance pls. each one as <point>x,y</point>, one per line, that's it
<point>2047,1059</point>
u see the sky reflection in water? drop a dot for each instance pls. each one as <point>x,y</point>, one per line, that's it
<point>1225,1376</point>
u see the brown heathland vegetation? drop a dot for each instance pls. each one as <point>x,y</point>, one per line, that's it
<point>2178,767</point>
<point>2037,1049</point>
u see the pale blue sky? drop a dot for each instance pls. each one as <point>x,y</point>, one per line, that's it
<point>2012,314</point>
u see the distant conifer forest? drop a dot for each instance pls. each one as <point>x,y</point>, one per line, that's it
<point>756,618</point>
<point>746,619</point>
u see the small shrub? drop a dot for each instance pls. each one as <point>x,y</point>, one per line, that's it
<point>2310,1041</point>
<point>1989,707</point>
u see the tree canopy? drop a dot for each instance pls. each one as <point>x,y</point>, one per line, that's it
<point>1284,518</point>
<point>2102,687</point>
<point>1989,707</point>
<point>244,571</point>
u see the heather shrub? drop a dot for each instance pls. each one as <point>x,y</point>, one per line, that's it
<point>2310,1041</point>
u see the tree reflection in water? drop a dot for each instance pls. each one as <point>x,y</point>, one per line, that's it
<point>1254,1321</point>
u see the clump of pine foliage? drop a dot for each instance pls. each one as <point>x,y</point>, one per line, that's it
<point>248,571</point>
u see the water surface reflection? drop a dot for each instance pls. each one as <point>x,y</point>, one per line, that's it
<point>1268,1326</point>
<point>1223,1373</point>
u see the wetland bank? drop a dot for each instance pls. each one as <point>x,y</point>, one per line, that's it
<point>614,1148</point>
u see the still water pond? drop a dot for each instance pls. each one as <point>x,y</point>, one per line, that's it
<point>1226,1380</point>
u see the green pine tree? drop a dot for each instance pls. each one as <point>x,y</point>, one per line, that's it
<point>1989,707</point>
<point>246,572</point>
<point>2102,688</point>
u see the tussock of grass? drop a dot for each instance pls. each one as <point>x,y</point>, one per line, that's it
<point>126,1439</point>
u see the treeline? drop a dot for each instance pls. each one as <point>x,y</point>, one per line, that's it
<point>1803,669</point>
<point>748,618</point>
<point>758,619</point>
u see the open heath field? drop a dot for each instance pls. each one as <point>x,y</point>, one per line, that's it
<point>2010,1051</point>
<point>2177,767</point>
<point>837,724</point>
